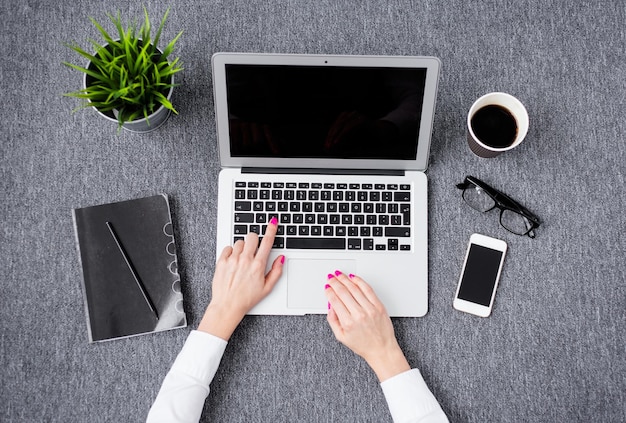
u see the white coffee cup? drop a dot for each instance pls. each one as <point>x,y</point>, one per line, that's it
<point>492,132</point>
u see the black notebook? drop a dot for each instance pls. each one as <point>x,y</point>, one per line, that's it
<point>130,272</point>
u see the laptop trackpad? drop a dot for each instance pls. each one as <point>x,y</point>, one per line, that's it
<point>307,279</point>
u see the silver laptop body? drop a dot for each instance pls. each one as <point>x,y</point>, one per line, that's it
<point>336,147</point>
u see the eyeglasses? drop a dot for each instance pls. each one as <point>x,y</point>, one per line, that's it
<point>514,217</point>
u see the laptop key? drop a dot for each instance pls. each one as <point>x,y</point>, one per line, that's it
<point>243,205</point>
<point>405,209</point>
<point>397,231</point>
<point>354,243</point>
<point>244,217</point>
<point>402,196</point>
<point>316,243</point>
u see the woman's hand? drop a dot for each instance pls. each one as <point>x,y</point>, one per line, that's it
<point>240,282</point>
<point>360,322</point>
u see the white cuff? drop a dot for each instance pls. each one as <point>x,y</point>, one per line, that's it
<point>410,400</point>
<point>200,356</point>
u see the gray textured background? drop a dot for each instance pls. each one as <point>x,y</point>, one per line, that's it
<point>553,349</point>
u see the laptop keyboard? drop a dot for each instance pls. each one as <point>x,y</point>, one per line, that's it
<point>326,216</point>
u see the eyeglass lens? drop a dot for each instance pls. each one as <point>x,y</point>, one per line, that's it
<point>478,199</point>
<point>515,222</point>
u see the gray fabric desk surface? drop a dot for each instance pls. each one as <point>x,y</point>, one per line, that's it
<point>553,349</point>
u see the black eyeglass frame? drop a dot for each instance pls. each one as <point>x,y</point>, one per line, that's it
<point>502,202</point>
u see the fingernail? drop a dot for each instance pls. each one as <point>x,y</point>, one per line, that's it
<point>327,286</point>
<point>337,272</point>
<point>330,276</point>
<point>350,275</point>
<point>282,260</point>
<point>329,305</point>
<point>274,220</point>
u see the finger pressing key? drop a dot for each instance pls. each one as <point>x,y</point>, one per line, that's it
<point>268,239</point>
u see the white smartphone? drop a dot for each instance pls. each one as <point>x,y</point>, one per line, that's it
<point>480,275</point>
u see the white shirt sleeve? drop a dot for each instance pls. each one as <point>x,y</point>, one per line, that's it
<point>186,386</point>
<point>410,400</point>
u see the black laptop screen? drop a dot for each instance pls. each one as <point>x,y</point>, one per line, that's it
<point>324,112</point>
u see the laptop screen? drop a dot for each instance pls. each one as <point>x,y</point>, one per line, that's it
<point>324,112</point>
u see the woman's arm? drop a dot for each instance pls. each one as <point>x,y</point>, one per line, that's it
<point>359,321</point>
<point>239,283</point>
<point>186,385</point>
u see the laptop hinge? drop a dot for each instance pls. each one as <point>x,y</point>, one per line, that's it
<point>306,171</point>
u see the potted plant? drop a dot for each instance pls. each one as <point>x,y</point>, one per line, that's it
<point>128,79</point>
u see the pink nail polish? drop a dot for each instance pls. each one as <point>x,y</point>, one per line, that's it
<point>337,272</point>
<point>282,260</point>
<point>274,220</point>
<point>327,286</point>
<point>350,275</point>
<point>329,305</point>
<point>330,276</point>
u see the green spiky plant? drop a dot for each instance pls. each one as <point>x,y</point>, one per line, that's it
<point>128,74</point>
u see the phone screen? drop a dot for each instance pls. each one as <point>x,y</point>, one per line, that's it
<point>479,277</point>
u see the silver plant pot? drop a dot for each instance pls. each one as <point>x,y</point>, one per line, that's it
<point>148,124</point>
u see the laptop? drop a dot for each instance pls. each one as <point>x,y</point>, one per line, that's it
<point>336,147</point>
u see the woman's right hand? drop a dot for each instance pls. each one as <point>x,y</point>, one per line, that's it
<point>360,321</point>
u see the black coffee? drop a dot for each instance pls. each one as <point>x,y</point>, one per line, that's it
<point>494,126</point>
